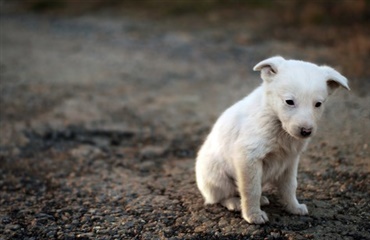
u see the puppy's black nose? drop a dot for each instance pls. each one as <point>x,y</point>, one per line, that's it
<point>305,132</point>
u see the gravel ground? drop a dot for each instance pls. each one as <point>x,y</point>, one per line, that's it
<point>101,118</point>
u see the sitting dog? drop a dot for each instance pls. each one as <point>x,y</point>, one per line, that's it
<point>258,140</point>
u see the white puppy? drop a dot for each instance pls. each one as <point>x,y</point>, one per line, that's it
<point>259,139</point>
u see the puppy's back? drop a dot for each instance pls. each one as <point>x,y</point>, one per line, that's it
<point>229,125</point>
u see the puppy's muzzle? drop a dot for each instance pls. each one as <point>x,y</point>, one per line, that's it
<point>306,132</point>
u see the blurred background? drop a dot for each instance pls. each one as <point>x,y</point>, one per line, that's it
<point>169,67</point>
<point>105,103</point>
<point>340,26</point>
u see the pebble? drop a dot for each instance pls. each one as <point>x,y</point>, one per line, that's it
<point>13,227</point>
<point>275,234</point>
<point>152,151</point>
<point>6,220</point>
<point>50,234</point>
<point>88,235</point>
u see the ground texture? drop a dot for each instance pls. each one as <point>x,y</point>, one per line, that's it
<point>101,118</point>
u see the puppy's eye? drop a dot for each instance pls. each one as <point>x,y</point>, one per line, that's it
<point>289,102</point>
<point>318,104</point>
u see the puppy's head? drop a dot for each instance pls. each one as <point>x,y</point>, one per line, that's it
<point>296,91</point>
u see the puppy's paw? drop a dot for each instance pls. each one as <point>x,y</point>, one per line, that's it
<point>264,201</point>
<point>300,209</point>
<point>256,217</point>
<point>232,204</point>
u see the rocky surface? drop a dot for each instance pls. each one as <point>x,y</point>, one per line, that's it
<point>101,118</point>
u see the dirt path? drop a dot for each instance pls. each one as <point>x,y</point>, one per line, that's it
<point>101,119</point>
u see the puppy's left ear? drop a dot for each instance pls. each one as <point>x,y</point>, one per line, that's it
<point>334,79</point>
<point>269,67</point>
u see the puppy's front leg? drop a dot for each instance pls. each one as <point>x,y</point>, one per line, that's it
<point>287,186</point>
<point>249,179</point>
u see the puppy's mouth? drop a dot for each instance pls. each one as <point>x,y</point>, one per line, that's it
<point>296,134</point>
<point>301,134</point>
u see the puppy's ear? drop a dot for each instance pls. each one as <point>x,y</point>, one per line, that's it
<point>269,67</point>
<point>334,79</point>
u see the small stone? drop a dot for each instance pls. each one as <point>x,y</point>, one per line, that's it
<point>75,222</point>
<point>87,235</point>
<point>6,220</point>
<point>97,228</point>
<point>66,216</point>
<point>223,222</point>
<point>128,224</point>
<point>92,210</point>
<point>51,234</point>
<point>275,234</point>
<point>12,227</point>
<point>69,236</point>
<point>200,229</point>
<point>152,151</point>
<point>44,216</point>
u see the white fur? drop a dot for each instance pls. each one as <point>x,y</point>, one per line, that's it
<point>259,139</point>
